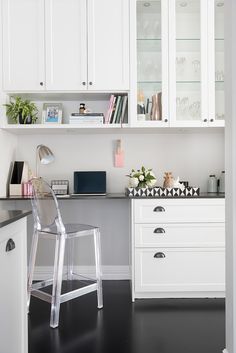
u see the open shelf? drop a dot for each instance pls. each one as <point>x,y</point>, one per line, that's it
<point>147,127</point>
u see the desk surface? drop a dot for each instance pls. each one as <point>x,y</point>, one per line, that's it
<point>7,217</point>
<point>118,196</point>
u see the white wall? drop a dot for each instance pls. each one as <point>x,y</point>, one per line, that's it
<point>230,91</point>
<point>8,143</point>
<point>192,156</point>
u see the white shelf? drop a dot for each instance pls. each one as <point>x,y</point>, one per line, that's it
<point>147,127</point>
<point>61,128</point>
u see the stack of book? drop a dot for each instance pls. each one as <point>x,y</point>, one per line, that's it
<point>117,112</point>
<point>87,118</point>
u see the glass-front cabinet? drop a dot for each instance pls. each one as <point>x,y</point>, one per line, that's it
<point>219,60</point>
<point>180,63</point>
<point>152,63</point>
<point>188,64</point>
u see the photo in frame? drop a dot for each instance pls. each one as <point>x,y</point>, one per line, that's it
<point>52,113</point>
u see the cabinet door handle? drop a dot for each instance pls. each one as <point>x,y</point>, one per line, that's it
<point>10,245</point>
<point>166,120</point>
<point>90,83</point>
<point>205,120</point>
<point>159,209</point>
<point>159,231</point>
<point>83,83</point>
<point>211,120</point>
<point>159,255</point>
<point>41,83</point>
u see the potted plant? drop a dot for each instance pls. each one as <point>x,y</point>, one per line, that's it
<point>142,178</point>
<point>21,111</point>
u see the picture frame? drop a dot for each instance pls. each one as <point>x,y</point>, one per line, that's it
<point>52,113</point>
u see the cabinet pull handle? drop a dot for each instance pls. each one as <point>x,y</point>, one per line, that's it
<point>159,255</point>
<point>159,209</point>
<point>159,231</point>
<point>10,245</point>
<point>83,83</point>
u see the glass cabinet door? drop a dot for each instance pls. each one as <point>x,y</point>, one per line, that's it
<point>219,61</point>
<point>188,62</point>
<point>152,62</point>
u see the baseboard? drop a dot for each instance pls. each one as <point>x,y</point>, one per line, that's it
<point>108,272</point>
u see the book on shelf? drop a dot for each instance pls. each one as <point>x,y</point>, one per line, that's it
<point>114,117</point>
<point>117,109</point>
<point>124,113</point>
<point>87,118</point>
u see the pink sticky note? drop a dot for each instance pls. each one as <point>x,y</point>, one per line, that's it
<point>119,159</point>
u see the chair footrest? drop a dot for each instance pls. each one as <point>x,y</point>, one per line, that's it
<point>78,292</point>
<point>66,296</point>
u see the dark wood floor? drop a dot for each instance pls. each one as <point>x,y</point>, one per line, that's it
<point>147,326</point>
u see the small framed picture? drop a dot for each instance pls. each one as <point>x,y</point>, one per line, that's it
<point>52,113</point>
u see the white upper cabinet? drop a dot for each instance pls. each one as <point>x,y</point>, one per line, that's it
<point>23,45</point>
<point>66,44</point>
<point>108,44</point>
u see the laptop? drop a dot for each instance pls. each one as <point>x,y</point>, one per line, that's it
<point>89,183</point>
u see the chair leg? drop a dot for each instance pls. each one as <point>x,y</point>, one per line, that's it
<point>97,248</point>
<point>70,251</point>
<point>32,259</point>
<point>57,280</point>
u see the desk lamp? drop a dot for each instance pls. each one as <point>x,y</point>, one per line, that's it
<point>44,155</point>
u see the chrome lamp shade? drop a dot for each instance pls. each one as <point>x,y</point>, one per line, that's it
<point>44,155</point>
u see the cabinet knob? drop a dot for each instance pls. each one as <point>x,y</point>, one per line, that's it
<point>10,245</point>
<point>159,255</point>
<point>205,120</point>
<point>90,83</point>
<point>159,209</point>
<point>166,120</point>
<point>83,83</point>
<point>159,231</point>
<point>211,120</point>
<point>41,83</point>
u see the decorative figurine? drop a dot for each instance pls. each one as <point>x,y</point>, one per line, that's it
<point>82,108</point>
<point>168,180</point>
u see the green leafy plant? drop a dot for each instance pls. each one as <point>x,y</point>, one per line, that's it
<point>142,178</point>
<point>19,108</point>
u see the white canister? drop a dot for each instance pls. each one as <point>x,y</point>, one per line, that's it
<point>212,183</point>
<point>222,182</point>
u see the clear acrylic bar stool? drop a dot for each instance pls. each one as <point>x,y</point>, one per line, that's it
<point>48,224</point>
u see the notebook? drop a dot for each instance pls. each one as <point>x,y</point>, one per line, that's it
<point>89,183</point>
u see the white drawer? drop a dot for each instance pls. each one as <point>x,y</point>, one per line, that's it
<point>179,210</point>
<point>180,270</point>
<point>180,235</point>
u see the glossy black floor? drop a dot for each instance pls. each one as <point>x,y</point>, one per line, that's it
<point>147,326</point>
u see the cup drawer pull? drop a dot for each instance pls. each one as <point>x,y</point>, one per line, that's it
<point>159,231</point>
<point>10,245</point>
<point>159,255</point>
<point>159,209</point>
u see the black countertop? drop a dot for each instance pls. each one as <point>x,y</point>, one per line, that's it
<point>119,196</point>
<point>7,217</point>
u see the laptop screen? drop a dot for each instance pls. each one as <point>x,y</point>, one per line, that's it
<point>90,182</point>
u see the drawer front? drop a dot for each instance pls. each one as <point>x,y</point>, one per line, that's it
<point>192,210</point>
<point>178,270</point>
<point>180,235</point>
